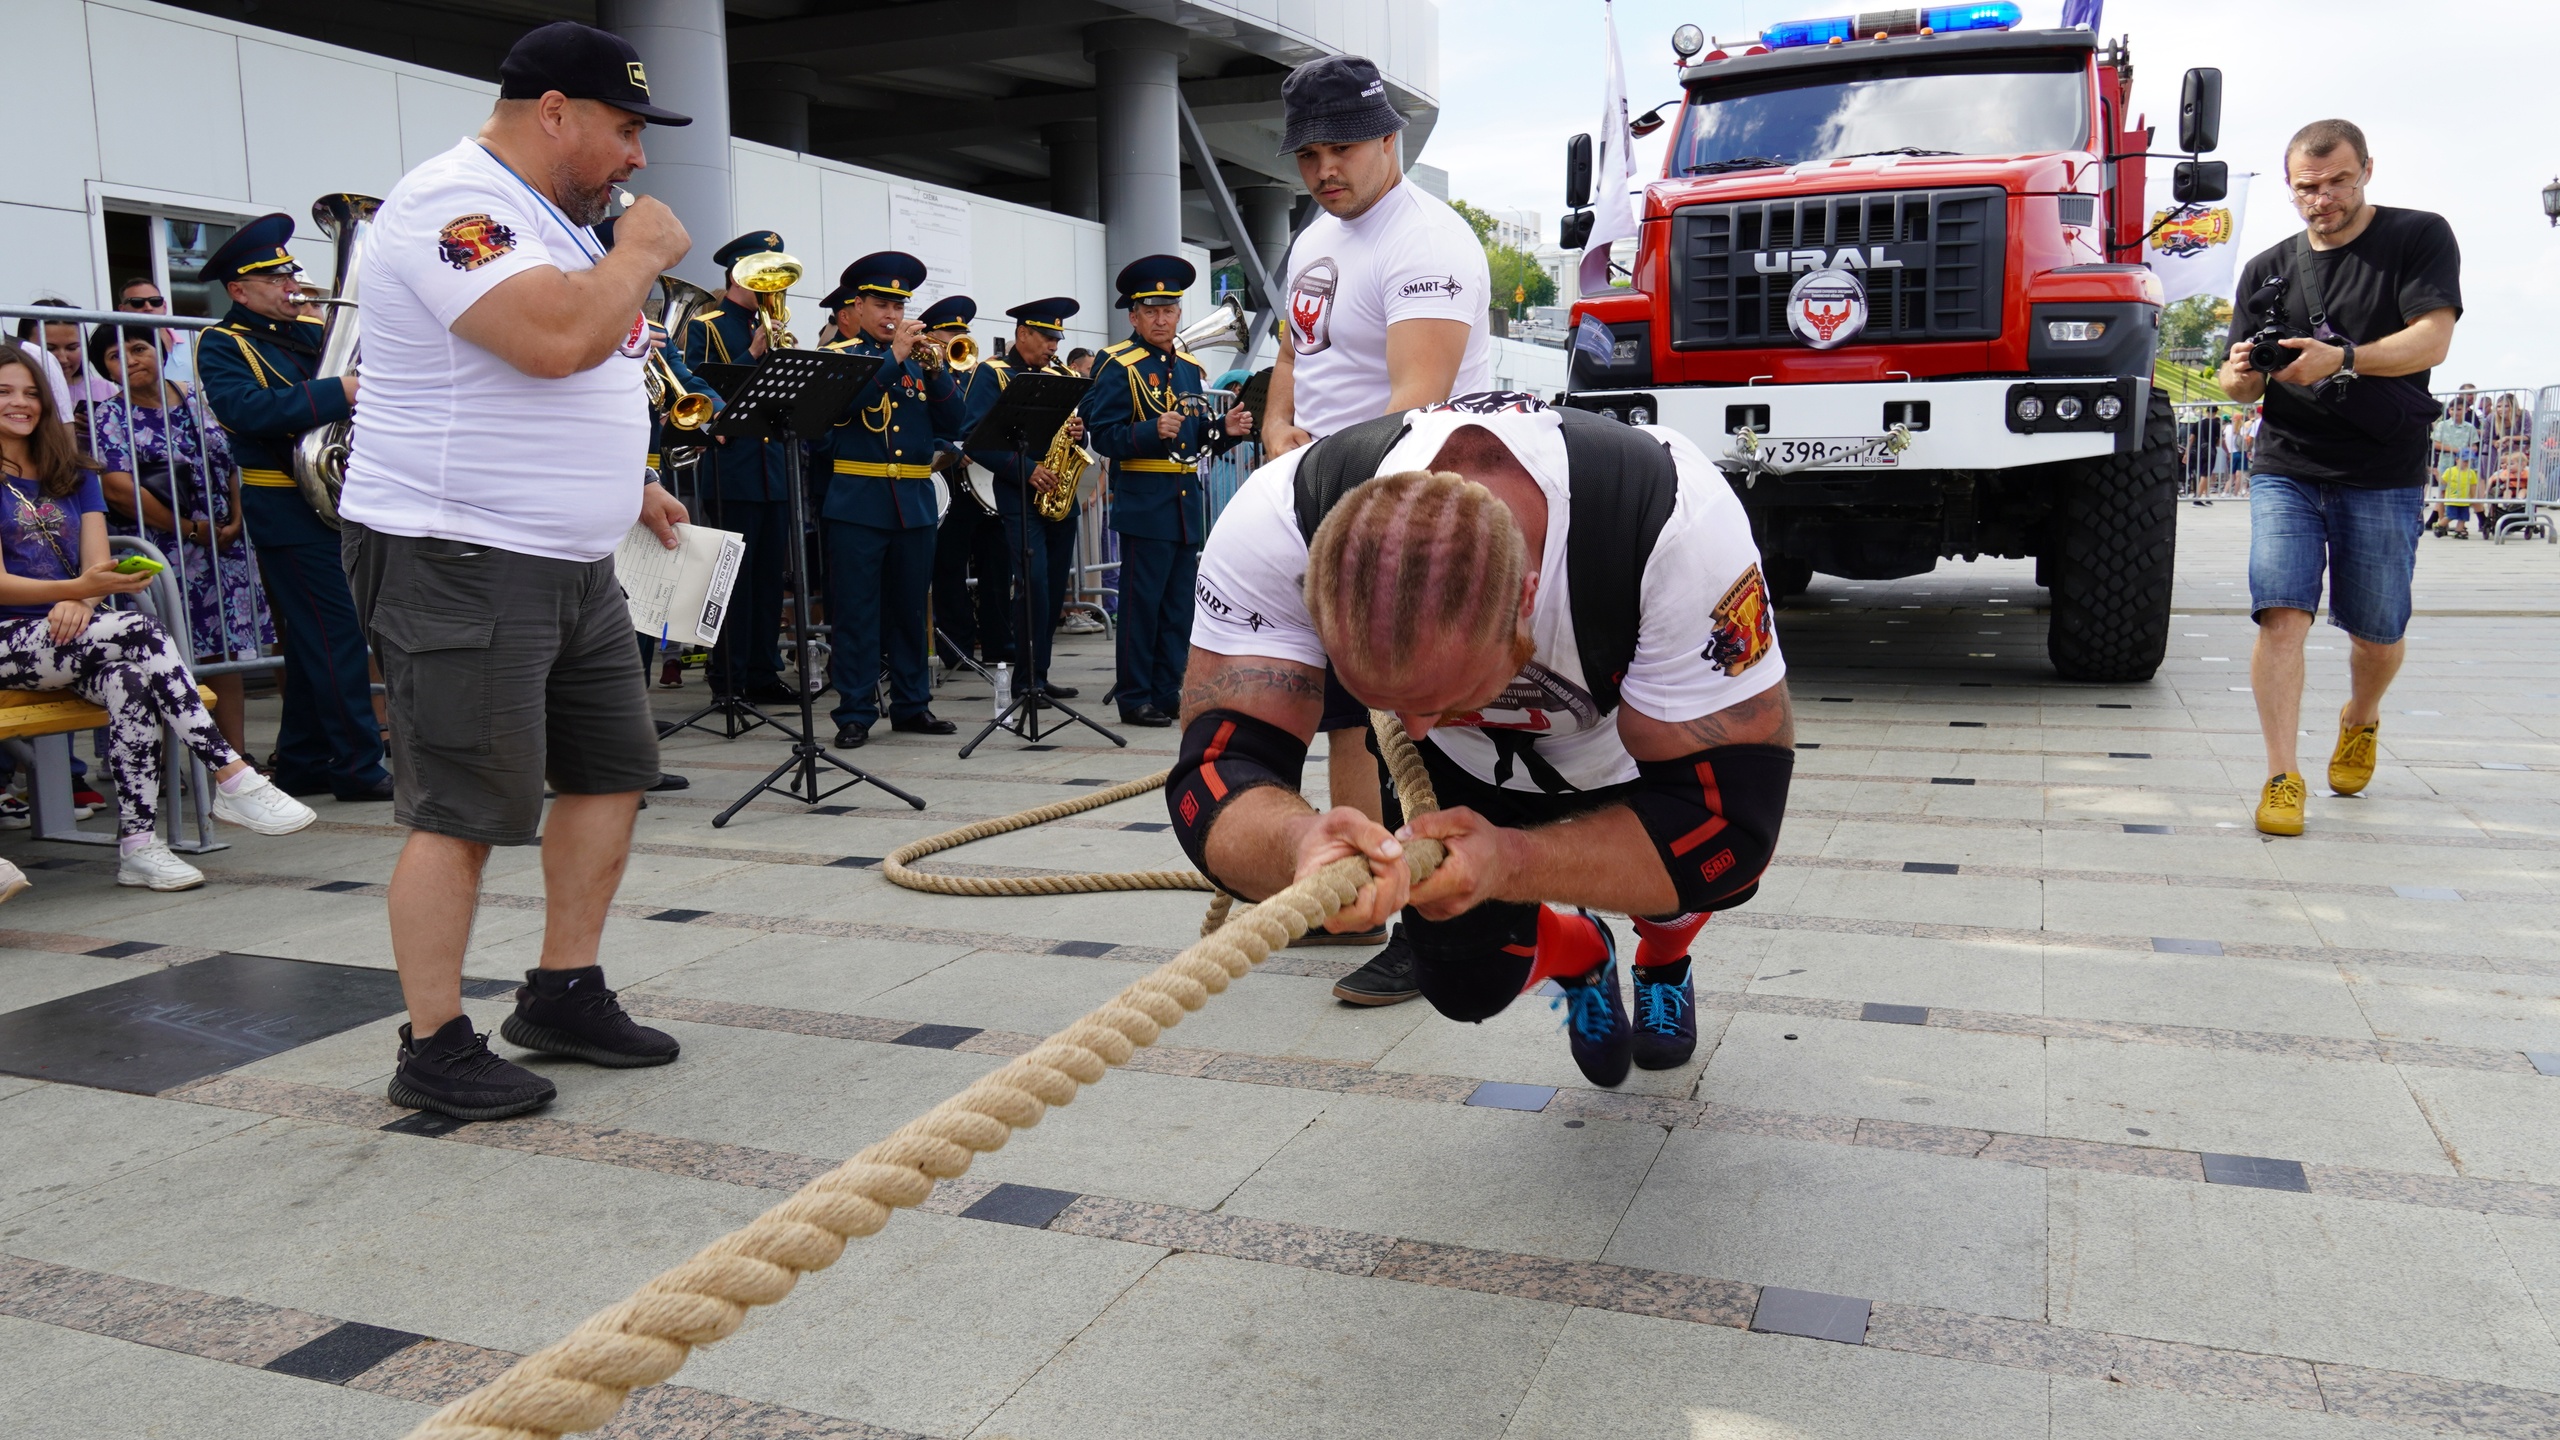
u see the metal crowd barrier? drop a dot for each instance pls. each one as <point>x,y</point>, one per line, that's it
<point>192,566</point>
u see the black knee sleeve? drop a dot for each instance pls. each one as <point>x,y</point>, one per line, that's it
<point>1714,819</point>
<point>1224,754</point>
<point>1471,966</point>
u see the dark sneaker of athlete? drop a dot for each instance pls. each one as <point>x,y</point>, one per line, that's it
<point>1386,980</point>
<point>1666,1001</point>
<point>455,1072</point>
<point>1595,1018</point>
<point>570,1012</point>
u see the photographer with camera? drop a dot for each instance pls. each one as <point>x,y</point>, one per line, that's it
<point>2349,316</point>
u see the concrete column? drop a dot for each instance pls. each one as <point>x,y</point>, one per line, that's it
<point>770,102</point>
<point>1074,168</point>
<point>1266,218</point>
<point>685,46</point>
<point>1137,75</point>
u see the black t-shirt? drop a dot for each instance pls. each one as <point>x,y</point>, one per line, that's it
<point>2404,265</point>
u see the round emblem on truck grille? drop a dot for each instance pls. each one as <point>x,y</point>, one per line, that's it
<point>1827,308</point>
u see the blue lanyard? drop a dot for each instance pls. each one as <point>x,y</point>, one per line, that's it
<point>578,234</point>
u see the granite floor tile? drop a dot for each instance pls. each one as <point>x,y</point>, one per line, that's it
<point>1887,1225</point>
<point>1628,1375</point>
<point>31,977</point>
<point>1206,1345</point>
<point>2220,991</point>
<point>65,1385</point>
<point>1888,1072</point>
<point>59,1140</point>
<point>2498,1127</point>
<point>2106,1410</point>
<point>1153,1137</point>
<point>2335,1111</point>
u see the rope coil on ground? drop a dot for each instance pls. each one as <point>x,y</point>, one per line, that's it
<point>580,1381</point>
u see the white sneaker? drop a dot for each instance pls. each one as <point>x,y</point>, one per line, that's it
<point>155,867</point>
<point>12,880</point>
<point>259,805</point>
<point>14,814</point>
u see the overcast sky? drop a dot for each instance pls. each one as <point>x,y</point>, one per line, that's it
<point>2460,104</point>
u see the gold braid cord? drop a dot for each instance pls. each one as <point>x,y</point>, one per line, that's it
<point>580,1381</point>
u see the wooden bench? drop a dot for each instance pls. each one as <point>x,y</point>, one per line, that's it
<point>47,719</point>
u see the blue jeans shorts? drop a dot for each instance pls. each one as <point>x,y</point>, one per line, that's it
<point>2365,541</point>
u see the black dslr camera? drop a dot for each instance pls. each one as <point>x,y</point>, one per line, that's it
<point>2266,306</point>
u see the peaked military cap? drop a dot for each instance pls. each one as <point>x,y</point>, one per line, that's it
<point>754,242</point>
<point>1050,314</point>
<point>893,273</point>
<point>1155,280</point>
<point>951,312</point>
<point>257,248</point>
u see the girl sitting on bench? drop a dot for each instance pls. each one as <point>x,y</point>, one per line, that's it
<point>54,568</point>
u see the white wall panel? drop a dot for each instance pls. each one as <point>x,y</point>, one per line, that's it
<point>47,254</point>
<point>854,210</point>
<point>433,116</point>
<point>316,124</point>
<point>175,123</point>
<point>50,164</point>
<point>770,189</point>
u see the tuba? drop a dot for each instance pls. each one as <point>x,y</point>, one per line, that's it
<point>678,299</point>
<point>769,273</point>
<point>1223,328</point>
<point>320,455</point>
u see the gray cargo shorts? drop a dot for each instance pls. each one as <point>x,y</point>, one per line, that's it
<point>502,668</point>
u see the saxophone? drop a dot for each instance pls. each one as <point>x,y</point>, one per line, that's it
<point>1068,460</point>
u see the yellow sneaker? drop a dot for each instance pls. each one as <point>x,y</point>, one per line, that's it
<point>2280,808</point>
<point>2351,767</point>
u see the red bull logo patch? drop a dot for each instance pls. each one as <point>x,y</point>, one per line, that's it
<point>1741,629</point>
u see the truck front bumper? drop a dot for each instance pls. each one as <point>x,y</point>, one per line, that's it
<point>1945,424</point>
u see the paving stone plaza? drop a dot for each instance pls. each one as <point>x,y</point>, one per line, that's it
<point>2038,1096</point>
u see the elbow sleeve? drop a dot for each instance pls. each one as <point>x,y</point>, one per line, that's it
<point>1224,754</point>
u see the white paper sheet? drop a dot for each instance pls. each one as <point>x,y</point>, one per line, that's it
<point>679,595</point>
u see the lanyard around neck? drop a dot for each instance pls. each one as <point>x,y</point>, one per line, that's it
<point>579,235</point>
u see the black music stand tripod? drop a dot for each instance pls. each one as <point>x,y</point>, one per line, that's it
<point>1033,404</point>
<point>737,714</point>
<point>793,396</point>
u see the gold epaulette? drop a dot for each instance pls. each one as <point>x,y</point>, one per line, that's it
<point>1194,359</point>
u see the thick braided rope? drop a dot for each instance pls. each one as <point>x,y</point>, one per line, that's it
<point>895,868</point>
<point>580,1381</point>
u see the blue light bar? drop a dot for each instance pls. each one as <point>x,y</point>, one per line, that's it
<point>1937,19</point>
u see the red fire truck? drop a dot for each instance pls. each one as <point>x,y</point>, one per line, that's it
<point>1888,280</point>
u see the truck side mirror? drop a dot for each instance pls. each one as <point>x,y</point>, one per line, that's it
<point>2199,180</point>
<point>1577,172</point>
<point>1576,231</point>
<point>2200,111</point>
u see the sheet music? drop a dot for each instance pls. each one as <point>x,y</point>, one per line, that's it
<point>681,594</point>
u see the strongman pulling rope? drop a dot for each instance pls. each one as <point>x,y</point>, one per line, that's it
<point>1568,617</point>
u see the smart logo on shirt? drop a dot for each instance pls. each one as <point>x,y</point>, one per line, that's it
<point>1444,286</point>
<point>473,241</point>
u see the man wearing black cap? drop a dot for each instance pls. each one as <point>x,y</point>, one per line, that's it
<point>745,481</point>
<point>1386,311</point>
<point>1136,416</point>
<point>1020,479</point>
<point>258,372</point>
<point>500,456</point>
<point>968,539</point>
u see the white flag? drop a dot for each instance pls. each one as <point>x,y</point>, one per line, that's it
<point>2194,249</point>
<point>1613,212</point>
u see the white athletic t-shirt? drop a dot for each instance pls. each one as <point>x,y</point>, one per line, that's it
<point>1705,639</point>
<point>452,442</point>
<point>1408,258</point>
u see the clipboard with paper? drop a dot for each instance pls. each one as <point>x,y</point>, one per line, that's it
<point>679,595</point>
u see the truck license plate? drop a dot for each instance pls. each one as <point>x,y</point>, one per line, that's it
<point>1860,452</point>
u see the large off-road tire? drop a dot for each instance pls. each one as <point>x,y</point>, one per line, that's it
<point>1787,575</point>
<point>2112,557</point>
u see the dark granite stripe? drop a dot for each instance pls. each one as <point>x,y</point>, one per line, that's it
<point>1242,1237</point>
<point>2470,1407</point>
<point>1592,1284</point>
<point>165,1317</point>
<point>2093,1355</point>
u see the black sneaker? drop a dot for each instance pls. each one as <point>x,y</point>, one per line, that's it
<point>454,1071</point>
<point>1386,980</point>
<point>570,1012</point>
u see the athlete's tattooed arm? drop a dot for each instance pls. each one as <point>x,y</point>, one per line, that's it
<point>1765,719</point>
<point>1281,692</point>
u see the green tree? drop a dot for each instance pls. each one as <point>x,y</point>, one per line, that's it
<point>2194,323</point>
<point>1518,282</point>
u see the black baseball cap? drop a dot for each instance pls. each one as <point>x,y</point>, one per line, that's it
<point>1336,99</point>
<point>583,63</point>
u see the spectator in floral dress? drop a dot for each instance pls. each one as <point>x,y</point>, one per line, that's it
<point>226,610</point>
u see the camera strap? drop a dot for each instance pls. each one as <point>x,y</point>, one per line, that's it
<point>2383,407</point>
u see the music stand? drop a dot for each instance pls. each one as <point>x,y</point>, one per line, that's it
<point>1033,404</point>
<point>793,396</point>
<point>737,715</point>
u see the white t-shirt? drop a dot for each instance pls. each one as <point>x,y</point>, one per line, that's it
<point>452,442</point>
<point>1408,258</point>
<point>1705,639</point>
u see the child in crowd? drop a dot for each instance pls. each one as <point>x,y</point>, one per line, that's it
<point>54,568</point>
<point>2458,484</point>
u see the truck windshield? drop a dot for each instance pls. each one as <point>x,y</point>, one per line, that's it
<point>2023,106</point>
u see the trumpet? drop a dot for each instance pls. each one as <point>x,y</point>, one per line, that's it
<point>934,354</point>
<point>769,273</point>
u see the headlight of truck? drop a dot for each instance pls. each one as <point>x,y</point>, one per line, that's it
<point>2073,332</point>
<point>2030,409</point>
